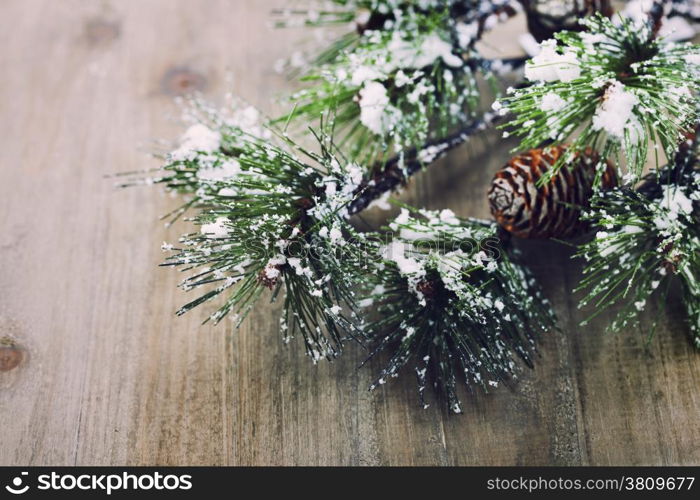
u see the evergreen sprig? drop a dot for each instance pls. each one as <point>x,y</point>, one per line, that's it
<point>451,302</point>
<point>207,151</point>
<point>616,88</point>
<point>646,237</point>
<point>273,214</point>
<point>407,75</point>
<point>271,217</point>
<point>450,298</point>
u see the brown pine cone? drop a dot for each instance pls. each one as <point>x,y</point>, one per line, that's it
<point>552,210</point>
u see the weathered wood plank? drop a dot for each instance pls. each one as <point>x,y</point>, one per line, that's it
<point>109,376</point>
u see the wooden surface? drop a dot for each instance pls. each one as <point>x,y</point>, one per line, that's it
<point>108,375</point>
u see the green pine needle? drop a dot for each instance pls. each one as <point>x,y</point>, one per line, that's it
<point>270,216</point>
<point>410,78</point>
<point>615,88</point>
<point>452,303</point>
<point>644,240</point>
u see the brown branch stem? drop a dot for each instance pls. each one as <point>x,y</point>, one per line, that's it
<point>397,170</point>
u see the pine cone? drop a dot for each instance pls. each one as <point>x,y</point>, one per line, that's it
<point>552,210</point>
<point>269,276</point>
<point>546,17</point>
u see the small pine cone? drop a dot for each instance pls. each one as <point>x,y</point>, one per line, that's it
<point>670,264</point>
<point>269,276</point>
<point>552,210</point>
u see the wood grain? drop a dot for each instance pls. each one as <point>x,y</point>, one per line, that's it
<point>108,375</point>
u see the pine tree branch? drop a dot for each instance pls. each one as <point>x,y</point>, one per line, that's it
<point>452,316</point>
<point>585,75</point>
<point>399,168</point>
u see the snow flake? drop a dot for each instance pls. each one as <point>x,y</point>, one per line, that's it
<point>615,111</point>
<point>373,103</point>
<point>197,138</point>
<point>551,66</point>
<point>552,102</point>
<point>216,229</point>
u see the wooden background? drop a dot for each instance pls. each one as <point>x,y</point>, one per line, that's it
<point>105,373</point>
